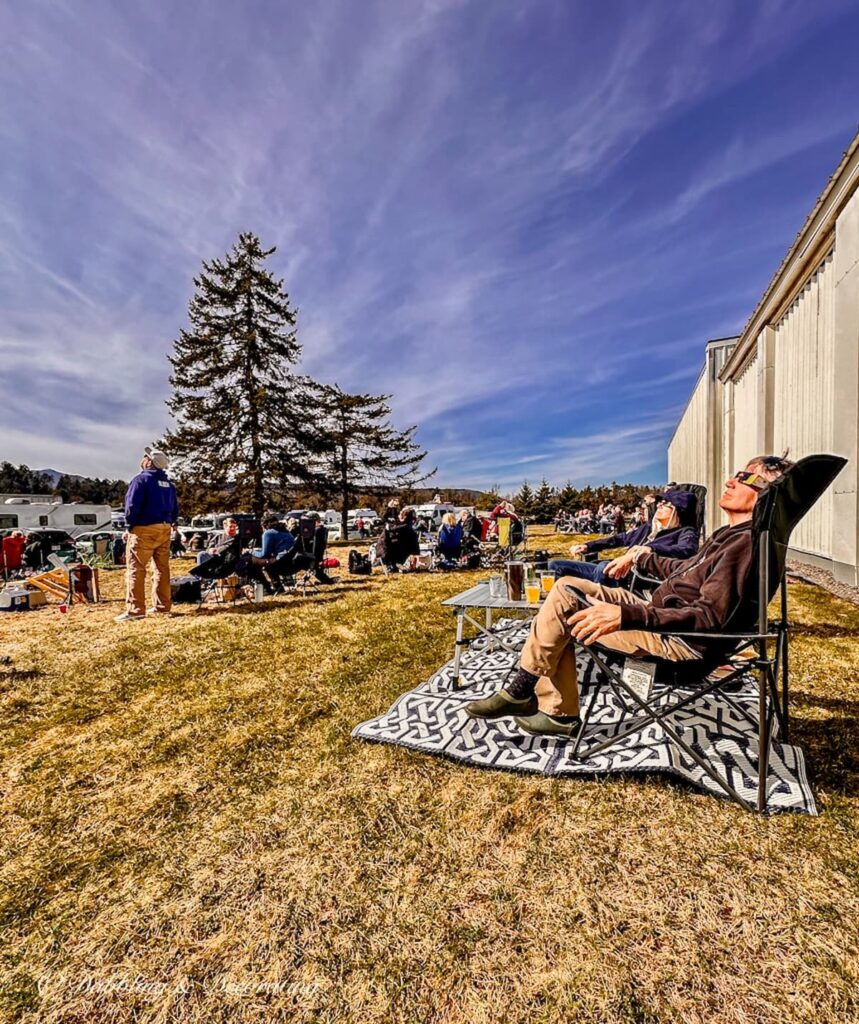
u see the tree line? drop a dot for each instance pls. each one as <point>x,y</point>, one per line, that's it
<point>544,503</point>
<point>94,490</point>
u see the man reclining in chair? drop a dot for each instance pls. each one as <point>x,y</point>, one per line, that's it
<point>696,595</point>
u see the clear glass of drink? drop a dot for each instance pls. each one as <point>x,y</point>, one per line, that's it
<point>496,587</point>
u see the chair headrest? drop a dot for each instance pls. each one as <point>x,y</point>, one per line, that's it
<point>784,503</point>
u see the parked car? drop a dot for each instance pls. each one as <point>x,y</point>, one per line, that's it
<point>53,540</point>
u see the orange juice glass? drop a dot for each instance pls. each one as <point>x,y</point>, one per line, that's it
<point>532,591</point>
<point>547,581</point>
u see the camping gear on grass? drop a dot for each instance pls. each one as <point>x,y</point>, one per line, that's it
<point>185,589</point>
<point>15,599</point>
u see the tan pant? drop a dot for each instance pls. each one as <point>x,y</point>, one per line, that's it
<point>548,653</point>
<point>145,543</point>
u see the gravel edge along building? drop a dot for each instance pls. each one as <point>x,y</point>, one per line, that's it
<point>791,379</point>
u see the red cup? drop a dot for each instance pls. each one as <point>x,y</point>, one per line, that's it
<point>63,608</point>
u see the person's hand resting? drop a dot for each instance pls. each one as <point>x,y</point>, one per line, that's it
<point>619,567</point>
<point>590,624</point>
<point>578,549</point>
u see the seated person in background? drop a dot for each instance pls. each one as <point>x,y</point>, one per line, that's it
<point>307,552</point>
<point>697,596</point>
<point>507,510</point>
<point>472,529</point>
<point>276,539</point>
<point>36,551</point>
<point>177,545</point>
<point>449,544</point>
<point>672,534</point>
<point>224,545</point>
<point>117,549</point>
<point>398,542</point>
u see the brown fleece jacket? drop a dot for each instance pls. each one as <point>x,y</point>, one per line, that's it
<point>697,594</point>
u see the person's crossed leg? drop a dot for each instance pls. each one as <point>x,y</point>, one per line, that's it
<point>543,695</point>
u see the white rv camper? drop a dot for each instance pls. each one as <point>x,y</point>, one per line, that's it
<point>22,514</point>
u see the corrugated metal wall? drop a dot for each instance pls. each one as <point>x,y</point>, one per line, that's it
<point>687,452</point>
<point>746,401</point>
<point>803,408</point>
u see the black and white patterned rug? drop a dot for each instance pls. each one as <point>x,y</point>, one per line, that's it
<point>431,718</point>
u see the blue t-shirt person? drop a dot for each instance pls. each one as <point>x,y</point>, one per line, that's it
<point>275,541</point>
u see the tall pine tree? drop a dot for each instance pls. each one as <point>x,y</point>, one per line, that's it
<point>237,405</point>
<point>524,501</point>
<point>363,453</point>
<point>545,502</point>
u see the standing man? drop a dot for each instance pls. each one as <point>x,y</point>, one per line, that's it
<point>151,509</point>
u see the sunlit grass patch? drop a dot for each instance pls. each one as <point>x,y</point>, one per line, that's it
<point>190,834</point>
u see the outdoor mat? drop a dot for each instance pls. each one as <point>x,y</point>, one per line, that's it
<point>432,719</point>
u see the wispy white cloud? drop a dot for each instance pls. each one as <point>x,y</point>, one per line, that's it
<point>454,189</point>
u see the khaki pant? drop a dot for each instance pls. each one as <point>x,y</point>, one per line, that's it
<point>145,543</point>
<point>548,653</point>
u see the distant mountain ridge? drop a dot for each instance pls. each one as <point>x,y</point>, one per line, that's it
<point>54,475</point>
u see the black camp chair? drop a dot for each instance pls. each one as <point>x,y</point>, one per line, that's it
<point>397,543</point>
<point>214,573</point>
<point>700,492</point>
<point>296,570</point>
<point>749,630</point>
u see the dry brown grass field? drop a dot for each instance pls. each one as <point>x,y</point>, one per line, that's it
<point>190,835</point>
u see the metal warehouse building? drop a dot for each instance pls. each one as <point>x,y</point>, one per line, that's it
<point>791,379</point>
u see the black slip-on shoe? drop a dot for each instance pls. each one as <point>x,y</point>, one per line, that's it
<point>541,724</point>
<point>500,705</point>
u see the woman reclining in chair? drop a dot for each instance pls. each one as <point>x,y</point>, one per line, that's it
<point>673,534</point>
<point>307,553</point>
<point>696,595</point>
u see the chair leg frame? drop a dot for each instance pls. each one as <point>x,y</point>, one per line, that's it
<point>771,673</point>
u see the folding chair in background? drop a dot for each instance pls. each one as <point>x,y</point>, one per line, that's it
<point>303,560</point>
<point>222,577</point>
<point>749,630</point>
<point>511,545</point>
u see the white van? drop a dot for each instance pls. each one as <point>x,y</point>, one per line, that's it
<point>433,512</point>
<point>22,514</point>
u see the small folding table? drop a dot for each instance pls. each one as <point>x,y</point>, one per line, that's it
<point>478,597</point>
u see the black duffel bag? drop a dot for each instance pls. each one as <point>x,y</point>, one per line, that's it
<point>185,590</point>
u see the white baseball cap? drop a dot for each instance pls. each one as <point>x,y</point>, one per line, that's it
<point>158,458</point>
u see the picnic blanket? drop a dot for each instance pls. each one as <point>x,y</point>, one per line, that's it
<point>431,718</point>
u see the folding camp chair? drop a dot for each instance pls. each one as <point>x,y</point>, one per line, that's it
<point>297,569</point>
<point>223,577</point>
<point>511,545</point>
<point>777,511</point>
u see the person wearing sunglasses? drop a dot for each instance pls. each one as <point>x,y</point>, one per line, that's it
<point>673,532</point>
<point>696,595</point>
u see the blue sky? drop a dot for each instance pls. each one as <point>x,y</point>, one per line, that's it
<point>522,219</point>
